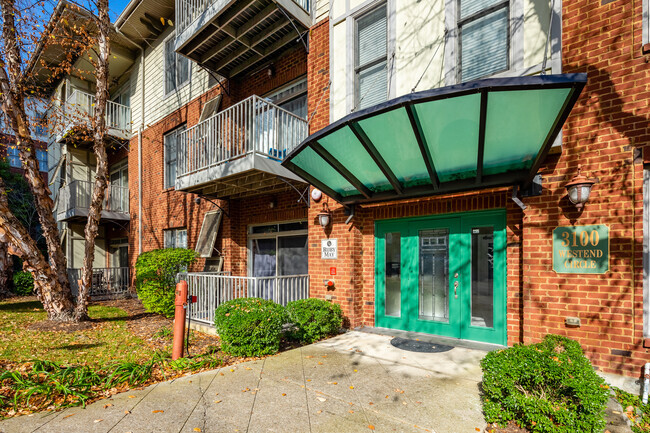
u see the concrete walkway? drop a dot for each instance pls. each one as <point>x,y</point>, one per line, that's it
<point>354,382</point>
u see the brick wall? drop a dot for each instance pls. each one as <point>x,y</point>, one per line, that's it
<point>604,133</point>
<point>167,208</point>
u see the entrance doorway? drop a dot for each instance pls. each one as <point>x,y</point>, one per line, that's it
<point>443,275</point>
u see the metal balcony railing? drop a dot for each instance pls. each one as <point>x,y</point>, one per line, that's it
<point>189,10</point>
<point>78,194</point>
<point>106,282</point>
<point>212,290</point>
<point>253,125</point>
<point>79,107</point>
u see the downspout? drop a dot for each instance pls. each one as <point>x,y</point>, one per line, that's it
<point>140,153</point>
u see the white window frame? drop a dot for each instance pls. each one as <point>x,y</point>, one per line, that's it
<point>516,65</point>
<point>646,22</point>
<point>175,232</point>
<point>177,85</point>
<point>358,68</point>
<point>175,131</point>
<point>350,17</point>
<point>646,249</point>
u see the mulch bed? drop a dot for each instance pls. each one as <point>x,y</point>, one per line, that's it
<point>512,427</point>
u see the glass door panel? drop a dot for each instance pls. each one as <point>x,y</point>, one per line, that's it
<point>264,263</point>
<point>434,275</point>
<point>393,294</point>
<point>482,302</point>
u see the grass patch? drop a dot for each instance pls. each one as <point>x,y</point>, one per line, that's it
<point>637,412</point>
<point>108,341</point>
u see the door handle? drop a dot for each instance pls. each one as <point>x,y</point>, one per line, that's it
<point>455,287</point>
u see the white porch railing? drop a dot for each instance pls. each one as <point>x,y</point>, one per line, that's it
<point>80,106</point>
<point>212,290</point>
<point>189,10</point>
<point>106,282</point>
<point>77,195</point>
<point>253,125</point>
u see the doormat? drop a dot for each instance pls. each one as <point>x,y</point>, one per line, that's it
<point>419,346</point>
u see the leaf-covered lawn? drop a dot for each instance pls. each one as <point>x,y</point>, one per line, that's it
<point>108,340</point>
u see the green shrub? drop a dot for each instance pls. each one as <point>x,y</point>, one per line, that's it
<point>545,387</point>
<point>250,326</point>
<point>155,273</point>
<point>23,283</point>
<point>314,319</point>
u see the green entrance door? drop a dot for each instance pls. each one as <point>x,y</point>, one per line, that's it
<point>443,275</point>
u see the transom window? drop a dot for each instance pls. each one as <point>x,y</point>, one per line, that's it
<point>177,67</point>
<point>371,68</point>
<point>171,142</point>
<point>484,41</point>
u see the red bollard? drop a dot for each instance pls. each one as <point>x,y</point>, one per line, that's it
<point>179,319</point>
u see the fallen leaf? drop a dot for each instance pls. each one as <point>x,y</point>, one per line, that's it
<point>371,427</point>
<point>132,396</point>
<point>319,411</point>
<point>356,371</point>
<point>351,387</point>
<point>248,368</point>
<point>126,412</point>
<point>68,416</point>
<point>283,394</point>
<point>308,380</point>
<point>99,420</point>
<point>157,411</point>
<point>221,374</point>
<point>351,411</point>
<point>321,399</point>
<point>370,403</point>
<point>217,401</point>
<point>320,363</point>
<point>196,429</point>
<point>232,369</point>
<point>107,405</point>
<point>477,429</point>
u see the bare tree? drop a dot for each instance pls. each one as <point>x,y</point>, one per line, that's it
<point>50,277</point>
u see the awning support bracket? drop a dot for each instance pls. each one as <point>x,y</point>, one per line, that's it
<point>349,210</point>
<point>481,137</point>
<point>304,196</point>
<point>198,199</point>
<point>516,199</point>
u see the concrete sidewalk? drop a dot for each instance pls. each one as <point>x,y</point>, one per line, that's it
<point>354,382</point>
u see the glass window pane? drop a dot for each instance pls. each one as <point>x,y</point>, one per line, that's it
<point>393,263</point>
<point>434,275</point>
<point>181,238</point>
<point>450,127</point>
<point>170,65</point>
<point>300,225</point>
<point>265,229</point>
<point>264,262</point>
<point>183,66</point>
<point>292,255</point>
<point>373,86</point>
<point>484,45</point>
<point>513,141</point>
<point>392,135</point>
<point>313,164</point>
<point>371,36</point>
<point>169,239</point>
<point>470,7</point>
<point>344,146</point>
<point>483,277</point>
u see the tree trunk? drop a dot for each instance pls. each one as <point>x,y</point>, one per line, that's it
<point>99,147</point>
<point>50,279</point>
<point>56,301</point>
<point>6,270</point>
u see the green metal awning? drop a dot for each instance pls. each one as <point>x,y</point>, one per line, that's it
<point>484,133</point>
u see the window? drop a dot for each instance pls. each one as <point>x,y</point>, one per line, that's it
<point>41,155</point>
<point>208,233</point>
<point>171,156</point>
<point>177,67</point>
<point>12,156</point>
<point>484,38</point>
<point>371,68</point>
<point>279,249</point>
<point>176,238</point>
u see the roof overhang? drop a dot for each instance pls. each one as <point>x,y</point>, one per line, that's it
<point>486,133</point>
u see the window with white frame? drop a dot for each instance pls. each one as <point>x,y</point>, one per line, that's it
<point>177,67</point>
<point>12,156</point>
<point>483,38</point>
<point>176,238</point>
<point>371,58</point>
<point>41,155</point>
<point>171,142</point>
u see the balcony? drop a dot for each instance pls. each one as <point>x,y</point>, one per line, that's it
<point>107,283</point>
<point>229,37</point>
<point>77,111</point>
<point>73,202</point>
<point>237,152</point>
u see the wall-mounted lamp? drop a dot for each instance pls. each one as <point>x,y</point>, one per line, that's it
<point>324,216</point>
<point>579,189</point>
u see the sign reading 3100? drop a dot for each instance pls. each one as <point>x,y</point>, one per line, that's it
<point>581,249</point>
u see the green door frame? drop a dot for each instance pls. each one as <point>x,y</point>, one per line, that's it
<point>459,226</point>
